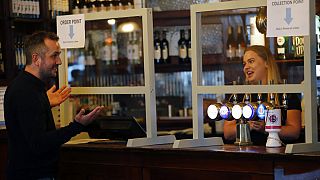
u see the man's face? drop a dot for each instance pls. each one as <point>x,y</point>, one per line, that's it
<point>50,60</point>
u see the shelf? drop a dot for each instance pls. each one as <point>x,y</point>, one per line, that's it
<point>27,20</point>
<point>171,18</point>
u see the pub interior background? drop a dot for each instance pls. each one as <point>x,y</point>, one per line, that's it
<point>113,56</point>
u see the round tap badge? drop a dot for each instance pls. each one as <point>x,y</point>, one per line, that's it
<point>236,111</point>
<point>224,112</point>
<point>212,111</point>
<point>248,112</point>
<point>261,111</point>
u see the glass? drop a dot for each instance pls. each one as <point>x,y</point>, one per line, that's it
<point>112,56</point>
<point>120,105</point>
<point>239,29</point>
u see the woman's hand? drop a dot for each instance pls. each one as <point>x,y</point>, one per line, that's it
<point>257,126</point>
<point>56,97</point>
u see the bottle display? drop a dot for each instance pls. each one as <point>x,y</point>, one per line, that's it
<point>26,8</point>
<point>165,48</point>
<point>241,44</point>
<point>231,45</point>
<point>91,6</point>
<point>58,7</point>
<point>19,52</point>
<point>157,48</point>
<point>182,48</point>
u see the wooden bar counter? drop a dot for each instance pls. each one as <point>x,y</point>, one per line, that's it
<point>113,160</point>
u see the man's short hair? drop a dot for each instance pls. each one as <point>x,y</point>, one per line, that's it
<point>34,43</point>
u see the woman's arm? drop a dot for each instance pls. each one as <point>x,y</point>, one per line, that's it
<point>291,130</point>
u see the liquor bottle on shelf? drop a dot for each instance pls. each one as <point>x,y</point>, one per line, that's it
<point>114,48</point>
<point>157,48</point>
<point>182,48</point>
<point>281,49</point>
<point>298,46</point>
<point>231,45</point>
<point>90,54</point>
<point>129,48</point>
<point>83,7</point>
<point>76,7</point>
<point>105,51</point>
<point>284,47</point>
<point>189,52</point>
<point>1,60</point>
<point>93,6</point>
<point>165,48</point>
<point>241,44</point>
<point>135,48</point>
<point>102,6</point>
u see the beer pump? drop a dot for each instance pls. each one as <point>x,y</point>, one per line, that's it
<point>273,122</point>
<point>242,116</point>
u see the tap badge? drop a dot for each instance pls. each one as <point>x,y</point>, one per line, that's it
<point>261,111</point>
<point>273,118</point>
<point>224,112</point>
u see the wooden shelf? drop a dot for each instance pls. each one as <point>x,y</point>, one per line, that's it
<point>171,18</point>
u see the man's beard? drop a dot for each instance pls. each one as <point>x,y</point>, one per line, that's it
<point>47,77</point>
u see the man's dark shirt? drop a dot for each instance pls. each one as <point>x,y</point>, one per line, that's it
<point>33,139</point>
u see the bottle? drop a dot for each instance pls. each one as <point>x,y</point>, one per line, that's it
<point>114,48</point>
<point>135,48</point>
<point>281,49</point>
<point>75,7</point>
<point>182,47</point>
<point>284,48</point>
<point>90,54</point>
<point>298,46</point>
<point>1,60</point>
<point>157,48</point>
<point>102,7</point>
<point>129,48</point>
<point>231,45</point>
<point>165,48</point>
<point>105,52</point>
<point>241,44</point>
<point>189,52</point>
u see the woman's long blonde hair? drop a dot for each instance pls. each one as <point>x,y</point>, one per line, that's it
<point>273,70</point>
<point>266,55</point>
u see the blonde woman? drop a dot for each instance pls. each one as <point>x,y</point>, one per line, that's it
<point>259,66</point>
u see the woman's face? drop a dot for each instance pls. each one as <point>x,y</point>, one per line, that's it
<point>255,68</point>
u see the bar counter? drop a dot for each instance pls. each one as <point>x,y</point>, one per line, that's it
<point>113,160</point>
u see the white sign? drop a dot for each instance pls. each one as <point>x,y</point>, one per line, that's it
<point>287,18</point>
<point>71,31</point>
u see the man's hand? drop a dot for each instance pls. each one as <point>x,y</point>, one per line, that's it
<point>56,97</point>
<point>87,119</point>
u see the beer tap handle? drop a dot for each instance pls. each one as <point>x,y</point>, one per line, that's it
<point>285,97</point>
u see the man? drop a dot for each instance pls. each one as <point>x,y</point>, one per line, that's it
<point>32,138</point>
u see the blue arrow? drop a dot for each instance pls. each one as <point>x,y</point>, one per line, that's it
<point>288,18</point>
<point>71,34</point>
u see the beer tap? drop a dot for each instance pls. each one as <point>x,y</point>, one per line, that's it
<point>285,97</point>
<point>243,137</point>
<point>273,123</point>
